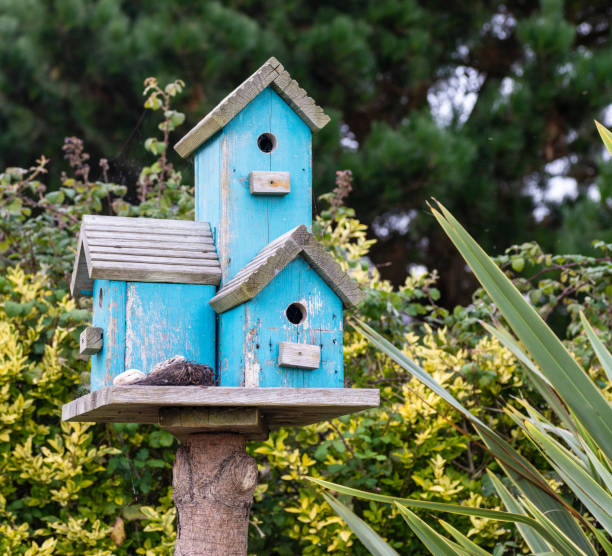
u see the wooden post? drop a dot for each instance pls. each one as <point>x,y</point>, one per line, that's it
<point>213,484</point>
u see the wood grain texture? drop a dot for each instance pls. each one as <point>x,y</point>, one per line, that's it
<point>242,223</point>
<point>109,301</point>
<point>269,183</point>
<point>270,74</point>
<point>144,250</point>
<point>299,356</point>
<point>91,340</point>
<point>212,488</point>
<point>273,258</point>
<point>279,406</point>
<point>182,421</point>
<point>164,320</point>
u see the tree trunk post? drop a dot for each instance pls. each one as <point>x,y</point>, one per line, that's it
<point>213,484</point>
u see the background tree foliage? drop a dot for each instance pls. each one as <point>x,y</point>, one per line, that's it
<point>536,73</point>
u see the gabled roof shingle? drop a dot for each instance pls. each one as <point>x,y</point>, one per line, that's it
<point>144,250</point>
<point>271,74</point>
<point>273,258</point>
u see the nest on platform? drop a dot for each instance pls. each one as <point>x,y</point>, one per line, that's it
<point>180,373</point>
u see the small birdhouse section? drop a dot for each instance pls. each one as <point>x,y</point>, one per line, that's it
<point>283,311</point>
<point>151,282</point>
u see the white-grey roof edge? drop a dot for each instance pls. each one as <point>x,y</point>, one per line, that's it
<point>144,250</point>
<point>270,74</point>
<point>273,258</point>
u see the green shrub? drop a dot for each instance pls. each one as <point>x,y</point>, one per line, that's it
<point>106,489</point>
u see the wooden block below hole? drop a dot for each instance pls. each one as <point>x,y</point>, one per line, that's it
<point>91,340</point>
<point>299,356</point>
<point>183,421</point>
<point>269,183</point>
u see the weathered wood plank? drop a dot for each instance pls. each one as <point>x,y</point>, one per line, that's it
<point>91,340</point>
<point>203,230</point>
<point>227,109</point>
<point>96,219</point>
<point>109,298</point>
<point>200,246</point>
<point>182,324</point>
<point>97,251</point>
<point>279,406</point>
<point>272,74</point>
<point>182,421</point>
<point>269,183</point>
<point>147,272</point>
<point>188,261</point>
<point>274,258</point>
<point>299,356</point>
<point>148,237</point>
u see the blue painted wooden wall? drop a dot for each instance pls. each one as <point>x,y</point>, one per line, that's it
<point>249,334</point>
<point>145,323</point>
<point>109,299</point>
<point>243,223</point>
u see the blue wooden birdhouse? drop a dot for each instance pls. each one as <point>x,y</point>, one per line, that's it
<point>246,289</point>
<point>281,298</point>
<point>151,282</point>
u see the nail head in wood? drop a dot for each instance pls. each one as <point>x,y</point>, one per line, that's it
<point>91,340</point>
<point>299,356</point>
<point>269,183</point>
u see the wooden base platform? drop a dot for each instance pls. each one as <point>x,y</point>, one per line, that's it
<point>218,408</point>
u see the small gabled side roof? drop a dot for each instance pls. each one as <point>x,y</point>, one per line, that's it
<point>273,258</point>
<point>144,250</point>
<point>272,74</point>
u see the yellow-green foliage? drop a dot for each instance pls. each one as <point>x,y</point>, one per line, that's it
<point>56,494</point>
<point>409,448</point>
<point>105,489</point>
<point>412,446</point>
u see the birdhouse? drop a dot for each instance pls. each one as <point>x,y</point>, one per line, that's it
<point>151,282</point>
<point>245,289</point>
<point>281,297</point>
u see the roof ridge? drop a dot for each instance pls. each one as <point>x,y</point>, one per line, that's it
<point>271,73</point>
<point>273,258</point>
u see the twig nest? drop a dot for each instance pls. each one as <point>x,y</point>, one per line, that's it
<point>177,371</point>
<point>164,364</point>
<point>128,377</point>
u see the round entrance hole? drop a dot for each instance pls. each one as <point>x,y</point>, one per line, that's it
<point>266,142</point>
<point>296,313</point>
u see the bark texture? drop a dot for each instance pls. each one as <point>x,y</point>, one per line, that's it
<point>213,484</point>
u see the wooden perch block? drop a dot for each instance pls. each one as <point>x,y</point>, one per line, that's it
<point>91,340</point>
<point>299,356</point>
<point>269,183</point>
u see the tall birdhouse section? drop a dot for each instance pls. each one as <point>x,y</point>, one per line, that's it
<point>281,298</point>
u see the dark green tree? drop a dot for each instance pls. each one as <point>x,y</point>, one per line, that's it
<point>476,103</point>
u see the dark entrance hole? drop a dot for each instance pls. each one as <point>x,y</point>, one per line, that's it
<point>266,142</point>
<point>296,313</point>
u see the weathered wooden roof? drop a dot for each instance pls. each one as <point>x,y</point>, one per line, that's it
<point>144,250</point>
<point>271,260</point>
<point>271,74</point>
